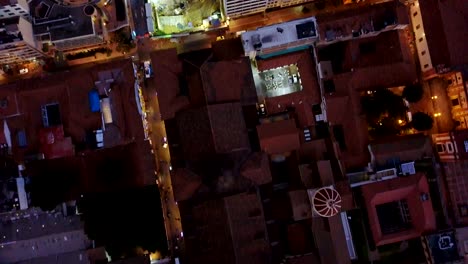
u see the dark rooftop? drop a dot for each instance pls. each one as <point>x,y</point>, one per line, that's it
<point>212,129</point>
<point>227,81</point>
<point>60,21</point>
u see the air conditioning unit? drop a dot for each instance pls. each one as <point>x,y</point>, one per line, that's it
<point>408,168</point>
<point>325,69</point>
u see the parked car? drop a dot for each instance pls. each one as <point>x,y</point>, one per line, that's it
<point>261,109</point>
<point>148,69</point>
<point>295,79</point>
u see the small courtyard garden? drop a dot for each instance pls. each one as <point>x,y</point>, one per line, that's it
<point>387,111</point>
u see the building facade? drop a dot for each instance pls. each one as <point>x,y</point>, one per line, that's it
<point>452,150</point>
<point>17,43</point>
<point>31,235</point>
<point>239,8</point>
<point>399,209</point>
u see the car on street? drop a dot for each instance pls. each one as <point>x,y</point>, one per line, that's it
<point>261,109</point>
<point>147,68</point>
<point>295,79</point>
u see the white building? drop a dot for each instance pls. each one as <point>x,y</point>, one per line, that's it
<point>280,37</point>
<point>238,8</point>
<point>14,8</point>
<point>34,236</point>
<point>17,42</point>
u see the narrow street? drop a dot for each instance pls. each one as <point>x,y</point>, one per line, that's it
<point>163,160</point>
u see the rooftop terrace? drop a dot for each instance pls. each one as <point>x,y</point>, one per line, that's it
<point>280,35</point>
<point>60,22</point>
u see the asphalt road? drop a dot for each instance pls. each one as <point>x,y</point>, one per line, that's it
<point>138,15</point>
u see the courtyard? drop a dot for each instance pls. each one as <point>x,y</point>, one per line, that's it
<point>280,81</point>
<point>178,16</point>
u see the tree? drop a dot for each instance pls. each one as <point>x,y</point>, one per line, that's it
<point>126,221</point>
<point>413,93</point>
<point>385,111</point>
<point>123,40</point>
<point>422,121</point>
<point>383,103</point>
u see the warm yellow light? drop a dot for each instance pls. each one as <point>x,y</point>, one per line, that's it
<point>437,114</point>
<point>155,256</point>
<point>400,121</point>
<point>434,97</point>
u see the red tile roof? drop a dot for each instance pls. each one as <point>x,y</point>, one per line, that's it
<point>227,81</point>
<point>212,129</point>
<point>454,16</point>
<point>10,106</point>
<point>166,68</point>
<point>457,187</point>
<point>337,109</point>
<point>257,169</point>
<point>185,183</point>
<point>405,148</point>
<point>300,205</point>
<point>278,137</point>
<point>402,188</point>
<point>228,49</point>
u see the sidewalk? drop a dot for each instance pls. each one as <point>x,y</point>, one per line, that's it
<point>103,57</point>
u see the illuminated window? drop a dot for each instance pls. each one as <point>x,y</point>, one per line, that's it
<point>449,146</point>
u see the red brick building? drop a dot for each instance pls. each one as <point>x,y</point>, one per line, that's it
<point>399,209</point>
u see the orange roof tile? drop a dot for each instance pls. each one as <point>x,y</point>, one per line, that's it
<point>278,137</point>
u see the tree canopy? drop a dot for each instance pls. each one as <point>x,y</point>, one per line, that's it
<point>422,121</point>
<point>123,40</point>
<point>385,112</point>
<point>125,221</point>
<point>413,93</point>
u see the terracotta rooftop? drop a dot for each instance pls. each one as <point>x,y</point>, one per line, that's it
<point>70,90</point>
<point>8,101</point>
<point>185,183</point>
<point>108,169</point>
<point>257,168</point>
<point>300,204</point>
<point>204,77</point>
<point>227,81</point>
<point>278,137</point>
<point>302,101</point>
<point>406,148</point>
<point>228,49</point>
<point>212,129</point>
<point>401,188</point>
<point>167,68</point>
<point>443,22</point>
<point>457,183</point>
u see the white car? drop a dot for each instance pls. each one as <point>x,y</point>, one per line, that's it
<point>148,70</point>
<point>295,79</point>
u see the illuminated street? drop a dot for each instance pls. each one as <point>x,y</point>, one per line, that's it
<point>163,159</point>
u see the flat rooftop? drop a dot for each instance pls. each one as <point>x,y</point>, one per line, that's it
<point>279,34</point>
<point>60,22</point>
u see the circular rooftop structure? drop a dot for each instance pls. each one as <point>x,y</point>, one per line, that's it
<point>89,10</point>
<point>326,202</point>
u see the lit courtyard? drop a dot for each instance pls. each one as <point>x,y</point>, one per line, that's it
<point>278,81</point>
<point>176,16</point>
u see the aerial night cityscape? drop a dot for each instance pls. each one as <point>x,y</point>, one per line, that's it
<point>233,131</point>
